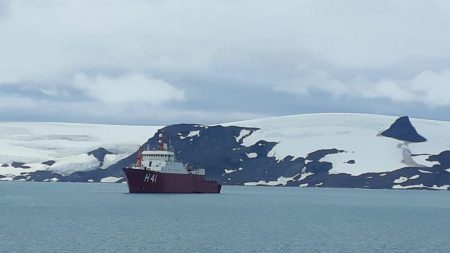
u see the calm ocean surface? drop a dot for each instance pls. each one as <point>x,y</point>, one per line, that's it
<point>77,217</point>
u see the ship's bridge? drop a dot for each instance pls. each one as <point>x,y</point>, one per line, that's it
<point>161,155</point>
<point>163,161</point>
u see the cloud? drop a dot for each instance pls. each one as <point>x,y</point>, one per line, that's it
<point>429,88</point>
<point>128,89</point>
<point>432,87</point>
<point>51,38</point>
<point>378,50</point>
<point>4,8</point>
<point>16,102</point>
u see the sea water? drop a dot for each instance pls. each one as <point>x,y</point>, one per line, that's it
<point>82,217</point>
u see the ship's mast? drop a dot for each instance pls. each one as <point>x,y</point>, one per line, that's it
<point>161,144</point>
<point>139,157</point>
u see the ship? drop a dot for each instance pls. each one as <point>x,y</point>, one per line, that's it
<point>158,171</point>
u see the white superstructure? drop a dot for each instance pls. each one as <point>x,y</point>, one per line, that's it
<point>163,160</point>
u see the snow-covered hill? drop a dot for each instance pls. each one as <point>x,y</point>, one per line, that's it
<point>315,150</point>
<point>357,134</point>
<point>26,147</point>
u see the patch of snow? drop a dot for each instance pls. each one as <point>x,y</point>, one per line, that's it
<point>319,184</point>
<point>260,182</point>
<point>383,174</point>
<point>71,164</point>
<point>415,177</point>
<point>252,155</point>
<point>408,186</point>
<point>110,179</point>
<point>280,181</point>
<point>244,133</point>
<point>400,180</point>
<point>444,187</point>
<point>305,175</point>
<point>191,134</point>
<point>421,186</point>
<point>54,179</point>
<point>111,159</point>
<point>422,160</point>
<point>228,171</point>
<point>426,172</point>
<point>91,180</point>
<point>303,185</point>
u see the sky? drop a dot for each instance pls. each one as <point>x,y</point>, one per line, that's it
<point>164,62</point>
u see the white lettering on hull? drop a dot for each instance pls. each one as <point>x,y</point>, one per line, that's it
<point>150,178</point>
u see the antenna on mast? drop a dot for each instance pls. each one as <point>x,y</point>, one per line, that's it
<point>161,142</point>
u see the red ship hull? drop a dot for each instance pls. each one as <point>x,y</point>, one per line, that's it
<point>145,181</point>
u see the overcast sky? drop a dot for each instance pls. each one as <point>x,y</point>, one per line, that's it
<point>212,61</point>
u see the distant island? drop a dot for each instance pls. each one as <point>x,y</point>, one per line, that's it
<point>310,150</point>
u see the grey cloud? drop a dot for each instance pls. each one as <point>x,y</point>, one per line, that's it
<point>226,57</point>
<point>168,36</point>
<point>4,8</point>
<point>43,92</point>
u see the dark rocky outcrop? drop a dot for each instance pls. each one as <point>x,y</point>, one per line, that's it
<point>443,158</point>
<point>19,165</point>
<point>403,130</point>
<point>49,162</point>
<point>100,154</point>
